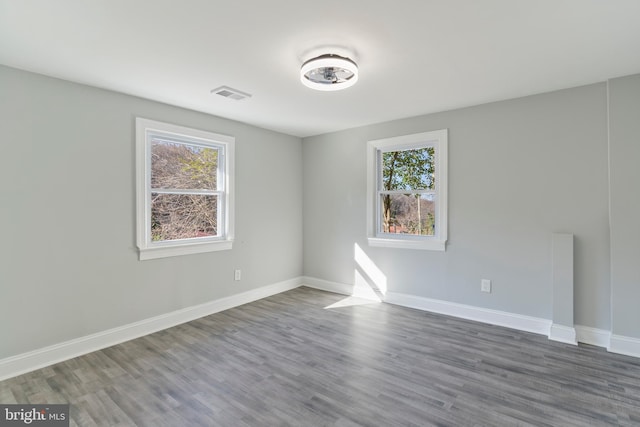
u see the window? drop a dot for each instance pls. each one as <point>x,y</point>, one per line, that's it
<point>184,190</point>
<point>407,191</point>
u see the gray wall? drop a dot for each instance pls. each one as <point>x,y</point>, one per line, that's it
<point>519,170</point>
<point>624,111</point>
<point>68,262</point>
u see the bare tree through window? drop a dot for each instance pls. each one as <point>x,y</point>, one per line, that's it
<point>184,199</point>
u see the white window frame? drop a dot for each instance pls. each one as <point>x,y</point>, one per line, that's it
<point>437,139</point>
<point>145,130</point>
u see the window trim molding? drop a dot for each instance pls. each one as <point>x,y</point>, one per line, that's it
<point>148,250</point>
<point>439,139</point>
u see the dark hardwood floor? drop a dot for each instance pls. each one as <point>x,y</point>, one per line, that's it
<point>288,360</point>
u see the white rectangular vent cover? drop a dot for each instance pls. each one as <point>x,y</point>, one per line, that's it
<point>231,93</point>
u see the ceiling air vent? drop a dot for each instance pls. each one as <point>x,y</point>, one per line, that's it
<point>231,93</point>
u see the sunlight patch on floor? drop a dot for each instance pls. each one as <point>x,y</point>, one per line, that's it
<point>352,301</point>
<point>369,285</point>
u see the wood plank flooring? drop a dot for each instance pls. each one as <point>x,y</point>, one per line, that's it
<point>288,360</point>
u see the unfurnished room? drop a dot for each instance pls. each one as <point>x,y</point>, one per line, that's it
<point>303,213</point>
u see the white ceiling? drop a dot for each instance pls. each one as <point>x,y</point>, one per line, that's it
<point>415,56</point>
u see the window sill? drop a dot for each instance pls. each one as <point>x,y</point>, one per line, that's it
<point>185,249</point>
<point>428,245</point>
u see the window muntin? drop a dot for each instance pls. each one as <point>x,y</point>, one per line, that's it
<point>184,190</point>
<point>407,191</point>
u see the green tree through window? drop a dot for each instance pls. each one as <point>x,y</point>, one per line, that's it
<point>407,191</point>
<point>408,181</point>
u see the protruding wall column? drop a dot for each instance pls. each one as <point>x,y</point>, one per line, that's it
<point>562,328</point>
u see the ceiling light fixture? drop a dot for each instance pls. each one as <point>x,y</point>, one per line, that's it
<point>329,72</point>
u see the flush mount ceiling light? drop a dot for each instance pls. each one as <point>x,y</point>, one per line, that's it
<point>329,72</point>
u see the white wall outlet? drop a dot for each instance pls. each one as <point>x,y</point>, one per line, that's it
<point>237,275</point>
<point>485,285</point>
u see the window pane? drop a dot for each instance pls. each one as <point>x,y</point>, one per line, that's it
<point>409,169</point>
<point>183,166</point>
<point>183,216</point>
<point>402,214</point>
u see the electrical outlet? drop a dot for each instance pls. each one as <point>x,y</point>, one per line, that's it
<point>237,275</point>
<point>485,285</point>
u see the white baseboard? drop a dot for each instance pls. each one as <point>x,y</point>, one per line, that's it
<point>36,359</point>
<point>494,317</point>
<point>326,285</point>
<point>563,334</point>
<point>364,292</point>
<point>584,334</point>
<point>593,336</point>
<point>624,345</point>
<point>469,312</point>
